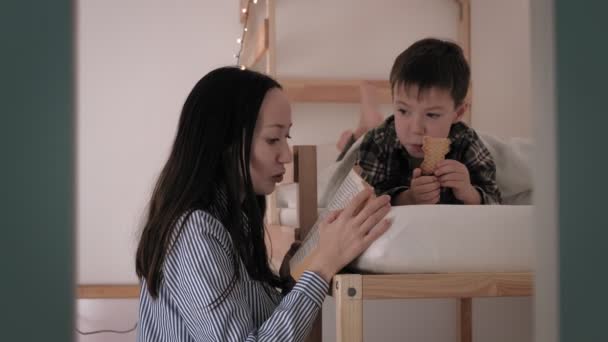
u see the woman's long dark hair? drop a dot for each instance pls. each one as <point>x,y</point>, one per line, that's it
<point>211,149</point>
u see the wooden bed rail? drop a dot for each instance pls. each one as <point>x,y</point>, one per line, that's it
<point>107,291</point>
<point>350,290</point>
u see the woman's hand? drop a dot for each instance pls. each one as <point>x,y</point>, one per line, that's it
<point>347,233</point>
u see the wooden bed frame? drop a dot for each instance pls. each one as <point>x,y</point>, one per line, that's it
<point>349,290</point>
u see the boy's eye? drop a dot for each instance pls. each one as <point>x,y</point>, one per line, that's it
<point>402,111</point>
<point>288,136</point>
<point>433,115</point>
<point>272,141</point>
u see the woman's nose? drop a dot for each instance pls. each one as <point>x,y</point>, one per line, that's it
<point>285,156</point>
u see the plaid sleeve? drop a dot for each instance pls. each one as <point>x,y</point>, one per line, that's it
<point>482,169</point>
<point>373,159</point>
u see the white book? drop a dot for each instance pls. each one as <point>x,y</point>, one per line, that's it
<point>351,185</point>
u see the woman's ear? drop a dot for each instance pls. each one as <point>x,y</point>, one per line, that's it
<point>460,111</point>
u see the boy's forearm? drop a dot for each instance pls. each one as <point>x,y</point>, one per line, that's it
<point>472,196</point>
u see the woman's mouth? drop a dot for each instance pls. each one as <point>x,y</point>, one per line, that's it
<point>277,178</point>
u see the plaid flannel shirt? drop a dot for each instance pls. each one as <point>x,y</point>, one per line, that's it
<point>387,166</point>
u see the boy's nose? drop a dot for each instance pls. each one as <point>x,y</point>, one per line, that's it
<point>417,125</point>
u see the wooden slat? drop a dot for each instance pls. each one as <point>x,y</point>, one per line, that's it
<point>107,291</point>
<point>349,307</point>
<point>464,38</point>
<point>272,38</point>
<point>260,41</point>
<point>331,90</point>
<point>466,320</point>
<point>305,174</point>
<point>464,27</point>
<point>447,285</point>
<point>242,16</point>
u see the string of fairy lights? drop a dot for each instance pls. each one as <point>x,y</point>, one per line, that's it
<point>241,40</point>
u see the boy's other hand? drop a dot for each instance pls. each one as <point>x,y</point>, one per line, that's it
<point>424,189</point>
<point>455,175</point>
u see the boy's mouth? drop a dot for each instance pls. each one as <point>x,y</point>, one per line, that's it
<point>416,147</point>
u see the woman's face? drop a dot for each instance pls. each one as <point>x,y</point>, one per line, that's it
<point>269,149</point>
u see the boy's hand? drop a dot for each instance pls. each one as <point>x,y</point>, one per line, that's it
<point>455,175</point>
<point>424,189</point>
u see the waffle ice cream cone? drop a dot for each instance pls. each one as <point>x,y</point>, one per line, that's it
<point>434,150</point>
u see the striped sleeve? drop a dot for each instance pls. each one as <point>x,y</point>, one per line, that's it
<point>200,268</point>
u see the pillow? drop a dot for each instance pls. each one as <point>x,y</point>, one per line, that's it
<point>512,157</point>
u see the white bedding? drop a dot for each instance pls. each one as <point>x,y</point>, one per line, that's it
<point>448,238</point>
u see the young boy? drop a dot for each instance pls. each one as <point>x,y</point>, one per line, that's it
<point>429,82</point>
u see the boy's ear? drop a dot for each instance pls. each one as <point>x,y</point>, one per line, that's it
<point>460,111</point>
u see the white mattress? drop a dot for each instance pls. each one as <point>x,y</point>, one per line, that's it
<point>451,238</point>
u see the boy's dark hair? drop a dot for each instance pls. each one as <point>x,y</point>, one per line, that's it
<point>433,63</point>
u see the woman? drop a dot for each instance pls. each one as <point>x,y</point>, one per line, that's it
<point>201,258</point>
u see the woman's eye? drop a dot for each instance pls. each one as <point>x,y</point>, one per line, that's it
<point>272,141</point>
<point>433,115</point>
<point>402,111</point>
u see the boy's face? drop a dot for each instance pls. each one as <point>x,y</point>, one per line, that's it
<point>430,113</point>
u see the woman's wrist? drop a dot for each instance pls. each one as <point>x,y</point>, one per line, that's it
<point>323,268</point>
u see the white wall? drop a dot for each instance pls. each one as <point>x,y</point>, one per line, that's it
<point>108,314</point>
<point>137,60</point>
<point>501,67</point>
<point>350,39</point>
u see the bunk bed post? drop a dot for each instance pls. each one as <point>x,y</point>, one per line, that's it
<point>305,174</point>
<point>466,320</point>
<point>464,37</point>
<point>271,56</point>
<point>270,69</point>
<point>347,290</point>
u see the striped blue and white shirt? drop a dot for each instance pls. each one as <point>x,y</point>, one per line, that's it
<point>197,270</point>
